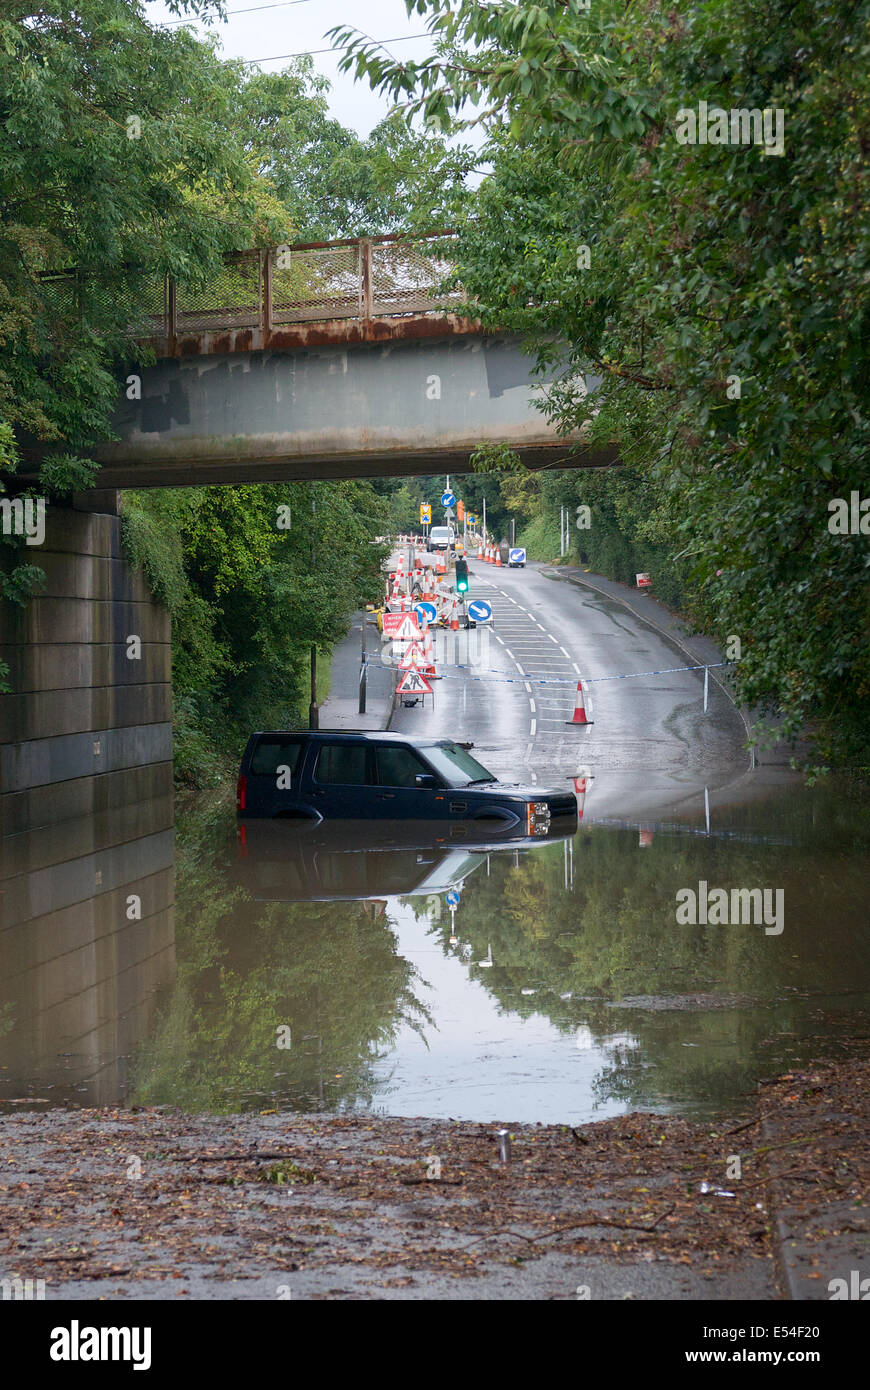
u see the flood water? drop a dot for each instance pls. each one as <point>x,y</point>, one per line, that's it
<point>274,973</point>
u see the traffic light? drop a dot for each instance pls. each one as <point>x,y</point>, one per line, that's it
<point>461,577</point>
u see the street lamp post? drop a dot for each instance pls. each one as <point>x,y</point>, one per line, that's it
<point>313,711</point>
<point>363,673</point>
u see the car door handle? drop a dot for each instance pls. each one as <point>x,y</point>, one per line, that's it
<point>386,796</point>
<point>459,805</point>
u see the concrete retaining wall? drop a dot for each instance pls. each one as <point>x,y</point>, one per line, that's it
<point>87,917</point>
<point>85,721</point>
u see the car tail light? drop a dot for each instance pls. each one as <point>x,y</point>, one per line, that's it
<point>537,818</point>
<point>241,792</point>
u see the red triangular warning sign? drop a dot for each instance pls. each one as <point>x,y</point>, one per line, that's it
<point>413,683</point>
<point>408,630</point>
<point>414,656</point>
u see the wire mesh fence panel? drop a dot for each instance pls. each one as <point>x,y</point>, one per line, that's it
<point>232,298</point>
<point>147,315</point>
<point>60,304</point>
<point>322,283</point>
<point>407,275</point>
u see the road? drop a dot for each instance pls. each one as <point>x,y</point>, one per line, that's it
<point>511,692</point>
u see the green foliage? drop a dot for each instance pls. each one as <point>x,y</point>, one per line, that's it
<point>332,183</point>
<point>330,970</point>
<point>91,221</point>
<point>79,193</point>
<point>249,599</point>
<point>708,265</point>
<point>541,537</point>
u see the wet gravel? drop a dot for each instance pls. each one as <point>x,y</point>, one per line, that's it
<point>155,1203</point>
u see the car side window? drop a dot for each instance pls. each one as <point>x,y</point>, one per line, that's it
<point>399,767</point>
<point>342,764</point>
<point>272,753</point>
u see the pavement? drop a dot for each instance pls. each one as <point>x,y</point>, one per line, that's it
<point>341,709</point>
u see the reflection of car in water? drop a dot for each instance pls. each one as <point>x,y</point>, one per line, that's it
<point>316,775</point>
<point>292,861</point>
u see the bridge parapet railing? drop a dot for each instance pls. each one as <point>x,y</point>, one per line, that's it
<point>360,278</point>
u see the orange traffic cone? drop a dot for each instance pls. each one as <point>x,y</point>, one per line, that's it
<point>645,838</point>
<point>454,620</point>
<point>579,708</point>
<point>480,549</point>
<point>498,555</point>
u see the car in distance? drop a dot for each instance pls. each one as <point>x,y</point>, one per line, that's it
<point>318,775</point>
<point>441,538</point>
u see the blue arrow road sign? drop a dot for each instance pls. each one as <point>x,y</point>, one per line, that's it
<point>517,557</point>
<point>448,499</point>
<point>426,611</point>
<point>452,897</point>
<point>480,610</point>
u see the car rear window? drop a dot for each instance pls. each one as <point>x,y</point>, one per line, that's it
<point>272,752</point>
<point>342,764</point>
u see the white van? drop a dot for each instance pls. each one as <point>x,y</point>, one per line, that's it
<point>441,538</point>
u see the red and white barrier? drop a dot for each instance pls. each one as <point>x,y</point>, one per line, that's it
<point>581,701</point>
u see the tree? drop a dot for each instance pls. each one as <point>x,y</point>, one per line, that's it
<point>718,291</point>
<point>118,164</point>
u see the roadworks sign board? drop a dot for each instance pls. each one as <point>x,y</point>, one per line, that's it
<point>479,610</point>
<point>413,683</point>
<point>643,581</point>
<point>426,611</point>
<point>402,627</point>
<point>414,656</point>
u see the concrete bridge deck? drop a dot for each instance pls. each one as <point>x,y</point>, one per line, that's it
<point>355,358</point>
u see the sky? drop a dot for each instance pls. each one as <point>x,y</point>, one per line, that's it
<point>273,30</point>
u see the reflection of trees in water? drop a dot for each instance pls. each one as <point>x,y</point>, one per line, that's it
<point>329,971</point>
<point>616,936</point>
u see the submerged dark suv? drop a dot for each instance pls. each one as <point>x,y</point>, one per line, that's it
<point>323,775</point>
